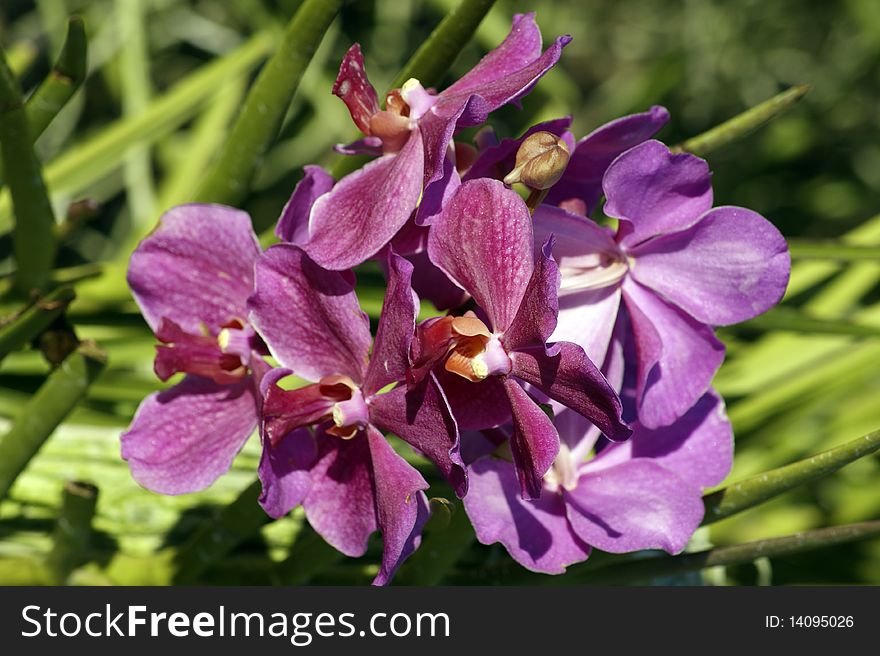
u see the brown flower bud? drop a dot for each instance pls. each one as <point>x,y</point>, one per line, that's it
<point>540,161</point>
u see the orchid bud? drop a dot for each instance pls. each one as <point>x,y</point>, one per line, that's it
<point>540,161</point>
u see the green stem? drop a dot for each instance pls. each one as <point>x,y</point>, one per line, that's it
<point>63,80</point>
<point>266,104</point>
<point>34,235</point>
<point>435,56</point>
<point>753,491</point>
<point>740,125</point>
<point>217,537</point>
<point>649,568</point>
<point>30,322</point>
<point>46,409</point>
<point>73,531</point>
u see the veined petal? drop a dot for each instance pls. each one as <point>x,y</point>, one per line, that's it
<point>401,506</point>
<point>309,317</point>
<point>293,226</point>
<point>677,356</point>
<point>594,153</point>
<point>535,319</point>
<point>390,358</point>
<point>196,268</point>
<point>353,86</point>
<point>698,447</point>
<point>341,505</point>
<point>506,73</point>
<point>730,266</point>
<point>475,405</point>
<point>632,506</point>
<point>182,439</point>
<point>421,416</point>
<point>285,473</point>
<point>566,374</point>
<point>365,209</point>
<point>535,533</point>
<point>534,442</point>
<point>654,192</point>
<point>483,241</point>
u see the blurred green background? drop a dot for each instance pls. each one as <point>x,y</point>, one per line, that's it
<point>149,119</point>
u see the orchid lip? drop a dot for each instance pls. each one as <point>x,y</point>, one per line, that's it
<point>563,474</point>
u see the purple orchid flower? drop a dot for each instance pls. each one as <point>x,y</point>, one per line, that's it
<point>191,278</point>
<point>645,493</point>
<point>680,267</point>
<point>412,136</point>
<point>483,242</point>
<point>313,325</point>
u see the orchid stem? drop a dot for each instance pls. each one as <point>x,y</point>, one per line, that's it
<point>218,536</point>
<point>753,491</point>
<point>536,197</point>
<point>266,105</point>
<point>73,531</point>
<point>441,548</point>
<point>46,409</point>
<point>34,234</point>
<point>744,123</point>
<point>17,332</point>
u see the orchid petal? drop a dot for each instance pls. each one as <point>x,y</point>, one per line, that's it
<point>309,317</point>
<point>366,208</point>
<point>353,86</point>
<point>535,319</point>
<point>293,226</point>
<point>566,374</point>
<point>535,533</point>
<point>341,505</point>
<point>182,439</point>
<point>730,266</point>
<point>196,268</point>
<point>284,472</point>
<point>483,242</point>
<point>401,506</point>
<point>677,356</point>
<point>534,442</point>
<point>633,506</point>
<point>654,191</point>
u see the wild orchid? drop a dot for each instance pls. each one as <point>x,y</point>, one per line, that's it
<point>483,241</point>
<point>679,266</point>
<point>411,137</point>
<point>191,278</point>
<point>313,325</point>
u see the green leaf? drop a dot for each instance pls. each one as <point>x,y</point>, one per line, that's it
<point>259,122</point>
<point>442,545</point>
<point>34,235</point>
<point>16,332</point>
<point>753,491</point>
<point>832,250</point>
<point>46,409</point>
<point>649,568</point>
<point>741,125</point>
<point>790,319</point>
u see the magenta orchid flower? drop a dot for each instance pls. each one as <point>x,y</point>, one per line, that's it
<point>678,265</point>
<point>313,325</point>
<point>645,493</point>
<point>364,210</point>
<point>191,278</point>
<point>483,242</point>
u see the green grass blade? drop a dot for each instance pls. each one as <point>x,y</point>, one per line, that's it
<point>753,491</point>
<point>789,319</point>
<point>266,105</point>
<point>832,250</point>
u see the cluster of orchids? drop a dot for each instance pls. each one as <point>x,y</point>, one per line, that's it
<point>563,388</point>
